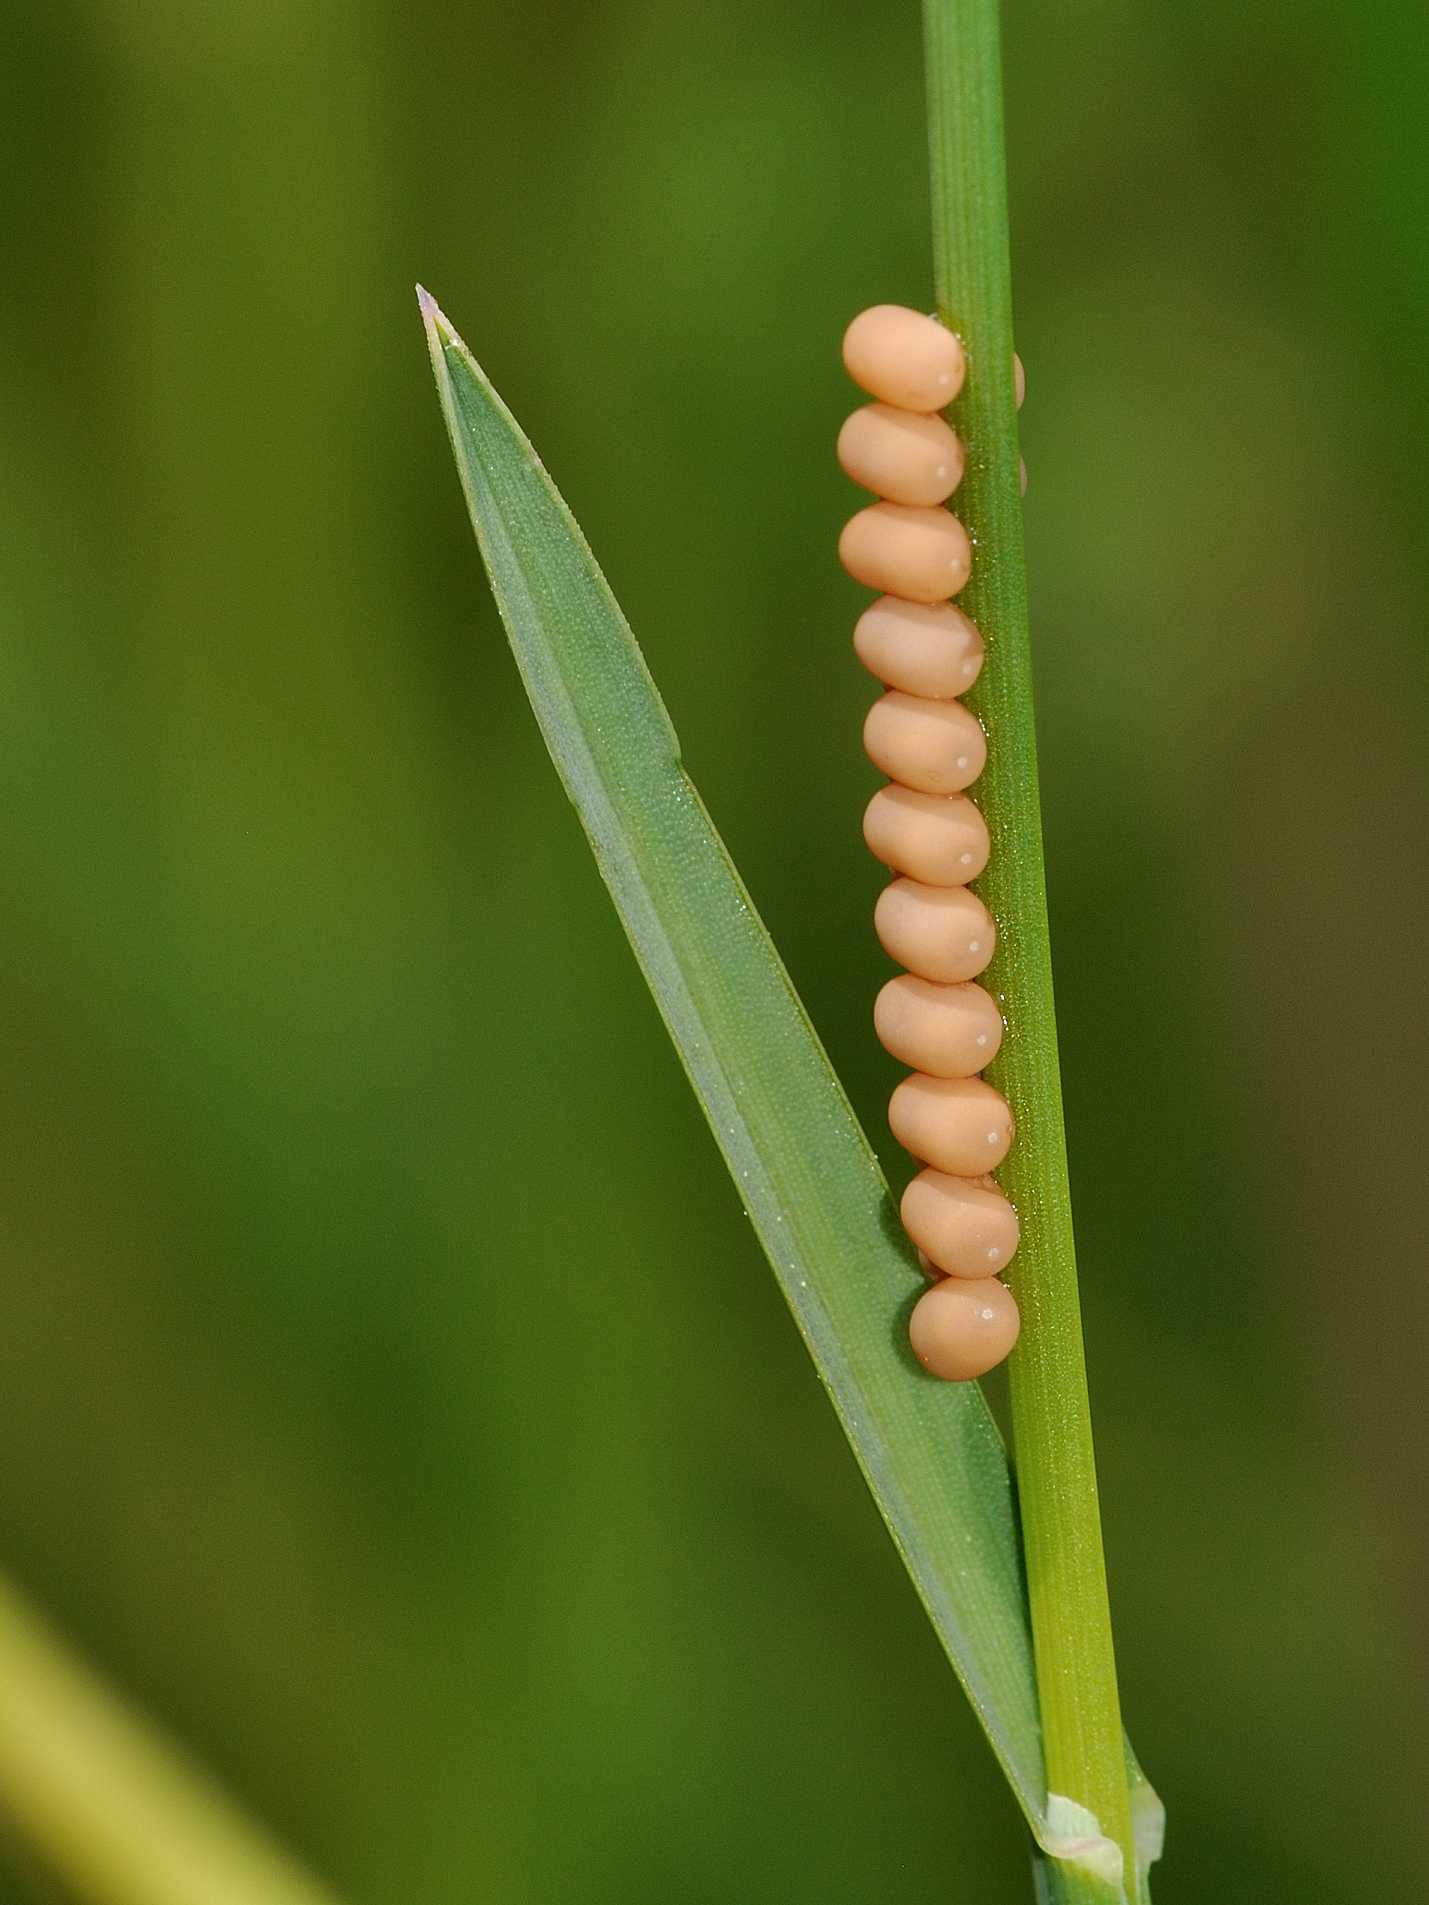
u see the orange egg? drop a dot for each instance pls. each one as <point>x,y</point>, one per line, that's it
<point>940,839</point>
<point>946,1031</point>
<point>924,648</point>
<point>900,455</point>
<point>961,1330</point>
<point>922,555</point>
<point>944,933</point>
<point>959,1125</point>
<point>968,1228</point>
<point>934,747</point>
<point>904,358</point>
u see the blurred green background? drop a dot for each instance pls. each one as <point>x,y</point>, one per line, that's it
<point>392,1397</point>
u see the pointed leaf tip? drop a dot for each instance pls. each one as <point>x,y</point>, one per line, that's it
<point>439,325</point>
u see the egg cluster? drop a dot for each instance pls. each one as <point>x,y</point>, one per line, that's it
<point>933,1016</point>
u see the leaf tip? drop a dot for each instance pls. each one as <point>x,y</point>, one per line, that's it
<point>439,325</point>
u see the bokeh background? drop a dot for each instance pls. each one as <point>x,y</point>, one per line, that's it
<point>392,1397</point>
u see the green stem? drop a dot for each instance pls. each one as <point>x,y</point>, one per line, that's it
<point>1056,1474</point>
<point>107,1804</point>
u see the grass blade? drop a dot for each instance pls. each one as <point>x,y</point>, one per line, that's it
<point>930,1451</point>
<point>105,1802</point>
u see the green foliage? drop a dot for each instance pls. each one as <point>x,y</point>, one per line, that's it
<point>312,1130</point>
<point>810,1184</point>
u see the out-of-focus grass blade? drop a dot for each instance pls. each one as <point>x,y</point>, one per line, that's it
<point>103,1801</point>
<point>813,1190</point>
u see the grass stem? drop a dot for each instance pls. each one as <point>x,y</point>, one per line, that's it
<point>1056,1473</point>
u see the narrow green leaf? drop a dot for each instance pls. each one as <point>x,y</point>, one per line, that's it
<point>930,1451</point>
